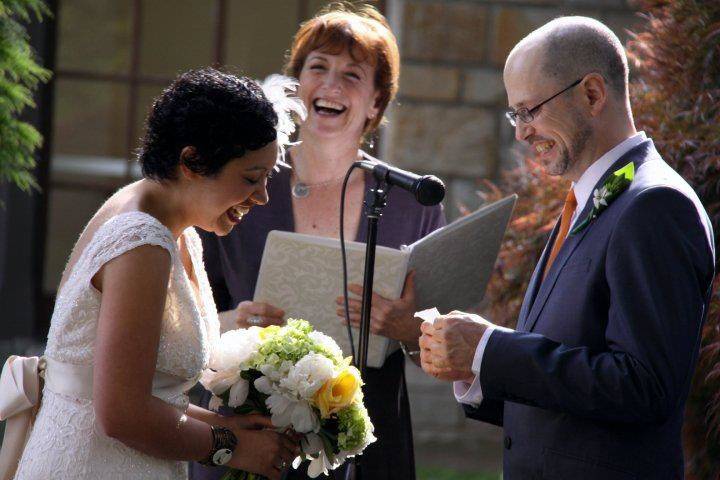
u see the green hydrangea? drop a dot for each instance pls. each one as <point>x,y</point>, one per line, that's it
<point>354,427</point>
<point>290,343</point>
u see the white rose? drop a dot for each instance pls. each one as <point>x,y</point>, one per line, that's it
<point>308,375</point>
<point>235,348</point>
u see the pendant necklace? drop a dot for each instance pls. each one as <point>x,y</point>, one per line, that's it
<point>302,189</point>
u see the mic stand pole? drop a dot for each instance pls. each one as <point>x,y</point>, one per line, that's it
<point>375,201</point>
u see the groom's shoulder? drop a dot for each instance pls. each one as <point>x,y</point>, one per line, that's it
<point>655,184</point>
<point>658,196</point>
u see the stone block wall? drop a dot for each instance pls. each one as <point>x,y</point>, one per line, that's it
<point>449,121</point>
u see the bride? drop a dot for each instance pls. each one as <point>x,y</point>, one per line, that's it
<point>134,320</point>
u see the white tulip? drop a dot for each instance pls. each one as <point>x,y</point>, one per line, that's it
<point>215,403</point>
<point>238,393</point>
<point>219,382</point>
<point>264,385</point>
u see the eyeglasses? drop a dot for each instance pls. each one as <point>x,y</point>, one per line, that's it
<point>527,115</point>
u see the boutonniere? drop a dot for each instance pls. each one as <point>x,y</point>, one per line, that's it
<point>615,184</point>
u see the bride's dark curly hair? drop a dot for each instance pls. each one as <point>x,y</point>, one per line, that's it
<point>221,115</point>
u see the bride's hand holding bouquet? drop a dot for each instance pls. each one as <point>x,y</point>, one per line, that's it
<point>299,377</point>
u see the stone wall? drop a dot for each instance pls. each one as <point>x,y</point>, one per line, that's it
<point>449,120</point>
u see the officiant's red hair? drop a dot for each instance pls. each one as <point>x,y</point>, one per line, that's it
<point>363,32</point>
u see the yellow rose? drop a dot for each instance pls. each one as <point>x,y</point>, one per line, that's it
<point>338,392</point>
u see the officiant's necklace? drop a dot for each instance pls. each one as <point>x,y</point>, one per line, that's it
<point>302,190</point>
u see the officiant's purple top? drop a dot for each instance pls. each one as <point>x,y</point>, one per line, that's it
<point>233,263</point>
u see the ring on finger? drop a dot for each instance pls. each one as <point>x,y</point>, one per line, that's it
<point>282,464</point>
<point>254,320</point>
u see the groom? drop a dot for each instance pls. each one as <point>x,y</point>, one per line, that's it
<point>593,382</point>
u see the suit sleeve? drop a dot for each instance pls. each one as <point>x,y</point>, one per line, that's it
<point>489,411</point>
<point>659,269</point>
<point>213,267</point>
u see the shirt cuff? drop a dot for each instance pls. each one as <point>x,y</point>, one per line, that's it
<point>471,393</point>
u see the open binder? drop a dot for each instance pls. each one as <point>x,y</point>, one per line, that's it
<point>302,274</point>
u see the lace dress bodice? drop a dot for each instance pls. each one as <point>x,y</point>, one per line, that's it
<point>66,441</point>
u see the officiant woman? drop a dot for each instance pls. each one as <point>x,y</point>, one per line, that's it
<point>347,62</point>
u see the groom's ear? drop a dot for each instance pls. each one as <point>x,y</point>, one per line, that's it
<point>187,156</point>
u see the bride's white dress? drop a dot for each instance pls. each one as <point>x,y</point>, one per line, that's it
<point>66,441</point>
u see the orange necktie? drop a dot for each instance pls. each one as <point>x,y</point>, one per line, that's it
<point>567,213</point>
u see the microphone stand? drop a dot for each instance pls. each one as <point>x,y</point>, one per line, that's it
<point>375,201</point>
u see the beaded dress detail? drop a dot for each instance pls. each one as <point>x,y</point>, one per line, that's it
<point>66,441</point>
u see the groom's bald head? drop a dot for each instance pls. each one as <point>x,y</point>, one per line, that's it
<point>571,47</point>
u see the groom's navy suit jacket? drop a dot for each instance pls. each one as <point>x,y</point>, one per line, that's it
<point>593,383</point>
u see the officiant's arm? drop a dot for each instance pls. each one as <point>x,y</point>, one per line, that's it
<point>393,319</point>
<point>658,267</point>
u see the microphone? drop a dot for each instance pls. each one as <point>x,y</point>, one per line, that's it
<point>427,189</point>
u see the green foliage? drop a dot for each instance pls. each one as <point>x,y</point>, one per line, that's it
<point>19,76</point>
<point>429,473</point>
<point>677,96</point>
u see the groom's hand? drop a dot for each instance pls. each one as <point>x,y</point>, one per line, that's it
<point>447,346</point>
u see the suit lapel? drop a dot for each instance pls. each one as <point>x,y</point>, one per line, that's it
<point>547,285</point>
<point>638,155</point>
<point>536,279</point>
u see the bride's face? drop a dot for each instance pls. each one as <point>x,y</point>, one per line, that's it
<point>224,199</point>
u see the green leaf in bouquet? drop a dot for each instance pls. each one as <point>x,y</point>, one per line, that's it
<point>331,426</point>
<point>330,441</point>
<point>251,375</point>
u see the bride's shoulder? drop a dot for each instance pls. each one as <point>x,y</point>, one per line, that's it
<point>124,218</point>
<point>132,228</point>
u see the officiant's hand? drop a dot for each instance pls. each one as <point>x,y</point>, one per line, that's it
<point>390,318</point>
<point>447,346</point>
<point>257,314</point>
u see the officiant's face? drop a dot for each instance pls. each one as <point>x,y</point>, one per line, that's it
<point>224,199</point>
<point>339,92</point>
<point>558,133</point>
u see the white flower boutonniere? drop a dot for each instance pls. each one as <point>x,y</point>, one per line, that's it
<point>615,184</point>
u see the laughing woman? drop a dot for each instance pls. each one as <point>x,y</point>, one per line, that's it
<point>134,323</point>
<point>348,64</point>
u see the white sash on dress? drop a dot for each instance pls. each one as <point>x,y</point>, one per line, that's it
<point>20,395</point>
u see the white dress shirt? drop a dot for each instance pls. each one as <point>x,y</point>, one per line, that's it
<point>471,393</point>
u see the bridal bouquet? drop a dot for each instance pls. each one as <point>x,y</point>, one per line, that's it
<point>299,377</point>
